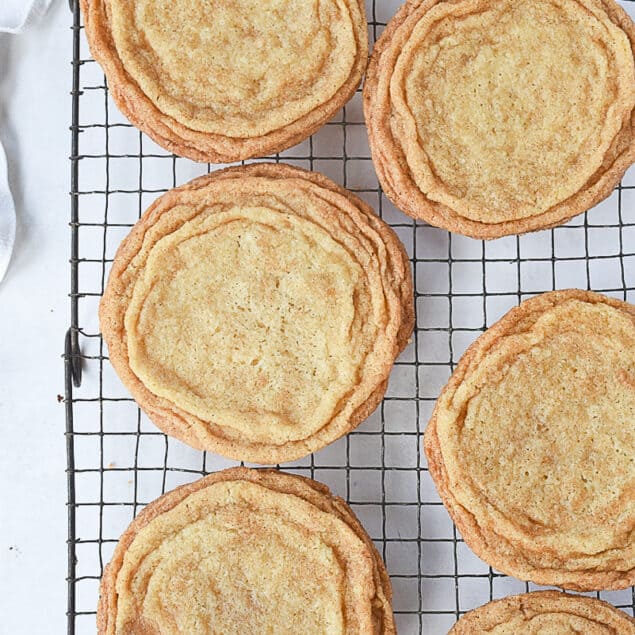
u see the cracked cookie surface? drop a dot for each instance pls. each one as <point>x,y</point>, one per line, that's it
<point>532,442</point>
<point>544,612</point>
<point>246,551</point>
<point>257,312</point>
<point>495,118</point>
<point>224,81</point>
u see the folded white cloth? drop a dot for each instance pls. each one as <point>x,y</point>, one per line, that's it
<point>7,217</point>
<point>15,16</point>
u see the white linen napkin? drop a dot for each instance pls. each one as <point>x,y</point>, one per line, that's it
<point>15,16</point>
<point>7,217</point>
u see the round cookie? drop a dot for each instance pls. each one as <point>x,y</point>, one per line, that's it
<point>246,551</point>
<point>498,117</point>
<point>256,312</point>
<point>223,81</point>
<point>532,442</point>
<point>545,612</point>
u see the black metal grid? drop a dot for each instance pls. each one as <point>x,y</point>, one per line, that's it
<point>118,461</point>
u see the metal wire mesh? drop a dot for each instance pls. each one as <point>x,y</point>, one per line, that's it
<point>118,461</point>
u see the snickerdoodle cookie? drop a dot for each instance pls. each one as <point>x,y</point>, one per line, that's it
<point>497,117</point>
<point>246,551</point>
<point>532,442</point>
<point>226,80</point>
<point>545,612</point>
<point>257,312</point>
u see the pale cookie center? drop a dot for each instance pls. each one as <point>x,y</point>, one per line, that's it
<point>509,109</point>
<point>251,323</point>
<point>238,68</point>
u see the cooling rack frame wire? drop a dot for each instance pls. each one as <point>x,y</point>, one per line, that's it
<point>380,468</point>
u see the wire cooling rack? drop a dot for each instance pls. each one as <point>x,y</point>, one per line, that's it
<point>118,461</point>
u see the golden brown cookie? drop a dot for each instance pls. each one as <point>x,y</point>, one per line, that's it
<point>545,612</point>
<point>246,551</point>
<point>532,442</point>
<point>256,312</point>
<point>497,117</point>
<point>223,80</point>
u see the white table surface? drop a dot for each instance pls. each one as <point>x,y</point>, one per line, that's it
<point>35,78</point>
